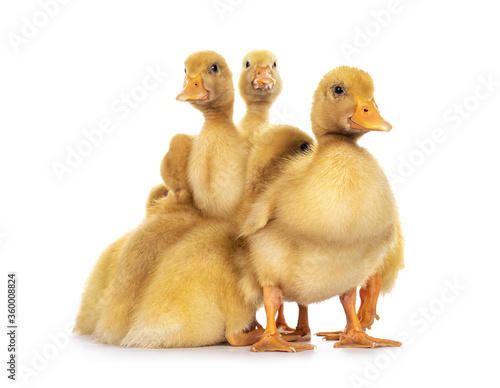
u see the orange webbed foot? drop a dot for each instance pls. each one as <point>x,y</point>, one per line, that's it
<point>284,329</point>
<point>330,335</point>
<point>274,343</point>
<point>359,339</point>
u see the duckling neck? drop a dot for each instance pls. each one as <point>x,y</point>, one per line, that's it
<point>255,118</point>
<point>219,116</point>
<point>335,137</point>
<point>257,112</point>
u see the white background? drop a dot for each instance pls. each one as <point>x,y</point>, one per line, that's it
<point>427,60</point>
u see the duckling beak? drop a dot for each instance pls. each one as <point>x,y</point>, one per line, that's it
<point>263,78</point>
<point>194,90</point>
<point>367,117</point>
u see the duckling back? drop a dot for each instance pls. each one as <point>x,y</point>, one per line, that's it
<point>193,297</point>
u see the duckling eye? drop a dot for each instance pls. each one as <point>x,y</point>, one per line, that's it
<point>338,90</point>
<point>274,64</point>
<point>215,68</point>
<point>185,71</point>
<point>247,65</point>
<point>304,147</point>
<point>166,194</point>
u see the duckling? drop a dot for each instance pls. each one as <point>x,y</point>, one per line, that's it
<point>97,285</point>
<point>217,160</point>
<point>167,222</point>
<point>194,297</point>
<point>259,86</point>
<point>330,221</point>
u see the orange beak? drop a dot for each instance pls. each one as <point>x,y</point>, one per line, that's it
<point>367,117</point>
<point>263,78</point>
<point>193,89</point>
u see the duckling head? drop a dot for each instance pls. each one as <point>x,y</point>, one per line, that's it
<point>260,80</point>
<point>208,82</point>
<point>343,103</point>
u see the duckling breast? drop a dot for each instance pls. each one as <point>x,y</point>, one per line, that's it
<point>342,195</point>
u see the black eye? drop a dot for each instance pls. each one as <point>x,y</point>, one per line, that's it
<point>338,90</point>
<point>274,64</point>
<point>166,194</point>
<point>185,71</point>
<point>247,65</point>
<point>215,68</point>
<point>304,147</point>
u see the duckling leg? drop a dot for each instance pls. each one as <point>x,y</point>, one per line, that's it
<point>256,324</point>
<point>242,338</point>
<point>303,328</point>
<point>302,332</point>
<point>354,335</point>
<point>271,341</point>
<point>281,324</point>
<point>367,312</point>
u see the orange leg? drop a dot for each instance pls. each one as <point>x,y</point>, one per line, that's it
<point>271,340</point>
<point>367,312</point>
<point>281,324</point>
<point>354,335</point>
<point>244,339</point>
<point>303,332</point>
<point>256,325</point>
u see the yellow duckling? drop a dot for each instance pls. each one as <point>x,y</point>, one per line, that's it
<point>167,221</point>
<point>97,285</point>
<point>330,221</point>
<point>259,86</point>
<point>217,161</point>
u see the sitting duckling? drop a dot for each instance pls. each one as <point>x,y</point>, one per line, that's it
<point>259,86</point>
<point>346,224</point>
<point>97,285</point>
<point>217,160</point>
<point>168,221</point>
<point>194,296</point>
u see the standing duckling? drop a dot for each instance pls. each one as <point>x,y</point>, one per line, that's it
<point>259,85</point>
<point>217,161</point>
<point>347,222</point>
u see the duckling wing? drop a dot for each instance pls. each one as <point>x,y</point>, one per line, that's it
<point>261,212</point>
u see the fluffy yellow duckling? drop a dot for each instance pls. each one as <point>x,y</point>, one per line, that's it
<point>330,221</point>
<point>97,285</point>
<point>259,86</point>
<point>217,161</point>
<point>167,221</point>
